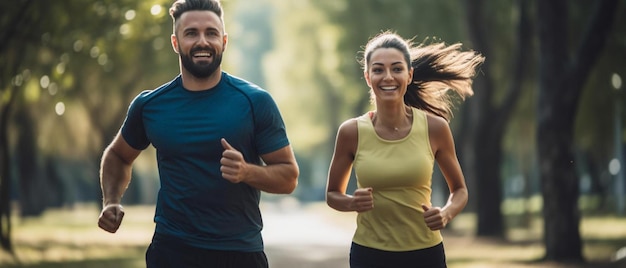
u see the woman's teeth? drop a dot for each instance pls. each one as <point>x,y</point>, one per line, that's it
<point>389,88</point>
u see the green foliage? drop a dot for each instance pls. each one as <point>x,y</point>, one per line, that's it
<point>75,65</point>
<point>72,68</point>
<point>91,57</point>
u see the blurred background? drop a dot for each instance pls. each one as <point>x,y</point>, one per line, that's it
<point>541,142</point>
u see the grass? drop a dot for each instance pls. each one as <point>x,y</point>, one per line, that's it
<point>70,238</point>
<point>603,237</point>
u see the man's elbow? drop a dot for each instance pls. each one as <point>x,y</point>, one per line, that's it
<point>291,186</point>
<point>286,187</point>
<point>292,182</point>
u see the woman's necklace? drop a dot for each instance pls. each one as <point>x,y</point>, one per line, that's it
<point>375,121</point>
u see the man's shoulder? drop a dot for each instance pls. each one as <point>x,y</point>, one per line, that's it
<point>243,85</point>
<point>148,94</point>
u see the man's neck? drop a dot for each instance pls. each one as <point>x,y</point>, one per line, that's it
<point>193,83</point>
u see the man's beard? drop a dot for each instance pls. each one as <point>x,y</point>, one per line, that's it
<point>202,69</point>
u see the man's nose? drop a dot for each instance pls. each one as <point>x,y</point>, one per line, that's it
<point>204,40</point>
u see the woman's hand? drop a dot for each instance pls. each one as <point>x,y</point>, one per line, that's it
<point>362,200</point>
<point>434,218</point>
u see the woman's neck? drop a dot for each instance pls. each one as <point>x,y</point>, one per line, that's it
<point>393,118</point>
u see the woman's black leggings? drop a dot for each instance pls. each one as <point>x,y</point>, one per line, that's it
<point>365,257</point>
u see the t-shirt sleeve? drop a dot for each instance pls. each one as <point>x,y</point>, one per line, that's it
<point>270,129</point>
<point>133,129</point>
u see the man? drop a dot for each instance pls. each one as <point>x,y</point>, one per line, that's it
<point>220,140</point>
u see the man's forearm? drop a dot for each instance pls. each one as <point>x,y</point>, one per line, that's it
<point>276,178</point>
<point>115,175</point>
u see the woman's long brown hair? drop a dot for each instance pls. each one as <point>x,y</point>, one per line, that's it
<point>438,70</point>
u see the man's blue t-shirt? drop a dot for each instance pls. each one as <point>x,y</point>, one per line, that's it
<point>195,204</point>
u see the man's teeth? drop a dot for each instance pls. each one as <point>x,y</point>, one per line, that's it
<point>203,54</point>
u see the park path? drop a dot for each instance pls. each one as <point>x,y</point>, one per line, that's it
<point>308,235</point>
<point>312,235</point>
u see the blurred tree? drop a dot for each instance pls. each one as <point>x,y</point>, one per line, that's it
<point>565,65</point>
<point>594,127</point>
<point>493,105</point>
<point>301,71</point>
<point>250,36</point>
<point>71,67</point>
<point>15,25</point>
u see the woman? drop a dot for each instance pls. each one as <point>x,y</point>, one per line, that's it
<point>393,149</point>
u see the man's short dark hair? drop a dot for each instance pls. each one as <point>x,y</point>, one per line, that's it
<point>181,6</point>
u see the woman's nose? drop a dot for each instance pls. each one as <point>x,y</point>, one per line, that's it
<point>388,75</point>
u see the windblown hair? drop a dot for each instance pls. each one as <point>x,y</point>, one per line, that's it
<point>181,6</point>
<point>437,69</point>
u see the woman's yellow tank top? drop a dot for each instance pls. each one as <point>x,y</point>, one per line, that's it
<point>400,174</point>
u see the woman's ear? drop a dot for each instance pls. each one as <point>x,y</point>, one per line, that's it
<point>367,78</point>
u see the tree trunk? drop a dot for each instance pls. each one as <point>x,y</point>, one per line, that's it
<point>5,174</point>
<point>561,80</point>
<point>492,118</point>
<point>16,16</point>
<point>33,190</point>
<point>559,189</point>
<point>489,196</point>
<point>5,200</point>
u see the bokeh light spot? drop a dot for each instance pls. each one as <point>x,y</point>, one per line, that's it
<point>59,108</point>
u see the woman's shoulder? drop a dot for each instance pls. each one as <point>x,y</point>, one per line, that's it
<point>349,126</point>
<point>436,123</point>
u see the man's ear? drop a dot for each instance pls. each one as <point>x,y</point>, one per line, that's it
<point>174,43</point>
<point>224,41</point>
